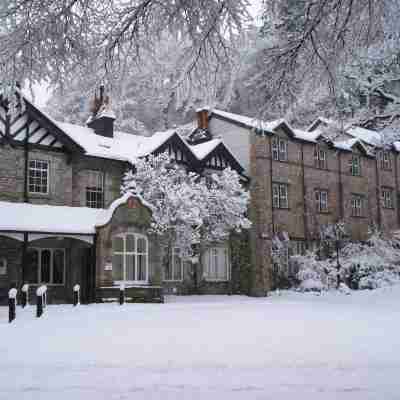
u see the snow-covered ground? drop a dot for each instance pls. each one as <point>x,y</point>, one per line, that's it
<point>213,347</point>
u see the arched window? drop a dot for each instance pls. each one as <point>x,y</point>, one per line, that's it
<point>130,258</point>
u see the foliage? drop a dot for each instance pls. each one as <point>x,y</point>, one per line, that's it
<point>368,265</point>
<point>58,40</point>
<point>189,211</point>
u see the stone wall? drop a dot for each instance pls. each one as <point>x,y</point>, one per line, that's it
<point>112,170</point>
<point>301,220</point>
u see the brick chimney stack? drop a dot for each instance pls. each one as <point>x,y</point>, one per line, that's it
<point>103,117</point>
<point>202,118</point>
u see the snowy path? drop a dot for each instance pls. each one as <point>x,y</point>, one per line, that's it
<point>281,347</point>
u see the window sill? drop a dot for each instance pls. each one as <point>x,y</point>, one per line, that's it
<point>39,195</point>
<point>216,280</point>
<point>172,280</point>
<point>136,283</point>
<point>358,216</point>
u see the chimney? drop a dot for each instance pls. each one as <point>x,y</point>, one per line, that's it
<point>103,117</point>
<point>202,118</point>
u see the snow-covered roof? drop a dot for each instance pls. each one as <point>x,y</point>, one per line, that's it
<point>251,122</point>
<point>202,150</point>
<point>370,137</point>
<point>306,136</point>
<point>26,217</point>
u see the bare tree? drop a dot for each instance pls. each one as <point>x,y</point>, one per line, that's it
<point>55,40</point>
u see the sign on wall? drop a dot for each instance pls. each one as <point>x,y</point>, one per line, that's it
<point>3,266</point>
<point>108,267</point>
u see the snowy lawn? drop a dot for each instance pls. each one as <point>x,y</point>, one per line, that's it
<point>213,347</point>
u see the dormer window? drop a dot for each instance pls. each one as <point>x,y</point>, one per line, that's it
<point>279,149</point>
<point>320,158</point>
<point>355,167</point>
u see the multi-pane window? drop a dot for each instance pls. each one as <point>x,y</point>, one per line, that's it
<point>320,158</point>
<point>45,266</point>
<point>385,160</point>
<point>216,264</point>
<point>387,198</point>
<point>130,258</point>
<point>279,149</point>
<point>38,176</point>
<point>173,271</point>
<point>321,200</point>
<point>95,189</point>
<point>280,195</point>
<point>357,205</point>
<point>355,167</point>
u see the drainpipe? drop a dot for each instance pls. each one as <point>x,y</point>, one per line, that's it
<point>92,290</point>
<point>26,162</point>
<point>378,202</point>
<point>305,222</point>
<point>397,188</point>
<point>341,206</point>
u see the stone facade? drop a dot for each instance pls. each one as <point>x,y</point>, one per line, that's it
<point>301,219</point>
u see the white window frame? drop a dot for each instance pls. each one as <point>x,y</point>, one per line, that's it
<point>355,165</point>
<point>172,265</point>
<point>92,204</point>
<point>39,266</point>
<point>321,199</point>
<point>280,195</point>
<point>387,198</point>
<point>134,253</point>
<point>210,272</point>
<point>357,205</point>
<point>36,168</point>
<point>279,149</point>
<point>320,158</point>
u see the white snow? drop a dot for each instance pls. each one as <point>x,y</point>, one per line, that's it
<point>251,122</point>
<point>202,150</point>
<point>24,217</point>
<point>41,290</point>
<point>287,346</point>
<point>370,137</point>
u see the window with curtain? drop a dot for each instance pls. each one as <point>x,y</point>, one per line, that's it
<point>217,264</point>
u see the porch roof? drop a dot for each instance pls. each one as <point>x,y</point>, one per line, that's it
<point>24,217</point>
<point>37,218</point>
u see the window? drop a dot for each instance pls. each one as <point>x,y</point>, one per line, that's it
<point>321,200</point>
<point>320,158</point>
<point>95,189</point>
<point>355,168</point>
<point>38,176</point>
<point>280,195</point>
<point>216,264</point>
<point>45,266</point>
<point>279,149</point>
<point>385,160</point>
<point>174,269</point>
<point>130,258</point>
<point>387,198</point>
<point>357,205</point>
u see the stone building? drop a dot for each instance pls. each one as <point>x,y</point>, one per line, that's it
<point>62,218</point>
<point>303,180</point>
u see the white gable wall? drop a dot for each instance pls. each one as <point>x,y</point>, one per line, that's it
<point>236,138</point>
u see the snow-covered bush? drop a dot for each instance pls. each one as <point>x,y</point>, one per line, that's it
<point>367,265</point>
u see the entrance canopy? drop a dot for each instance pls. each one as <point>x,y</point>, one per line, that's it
<point>45,220</point>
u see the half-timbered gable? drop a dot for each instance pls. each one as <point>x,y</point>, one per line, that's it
<point>53,177</point>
